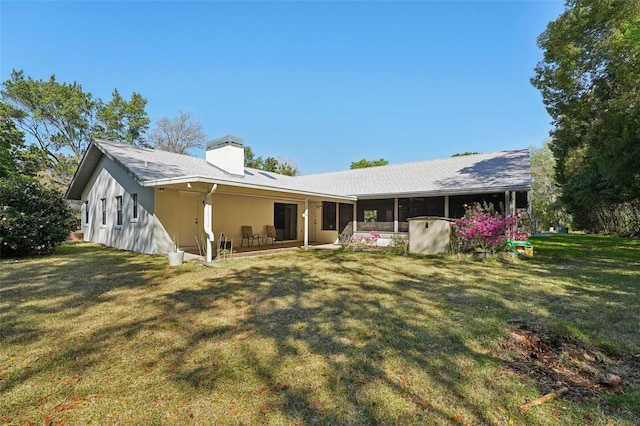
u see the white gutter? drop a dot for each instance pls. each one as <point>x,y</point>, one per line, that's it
<point>306,223</point>
<point>439,193</point>
<point>191,179</point>
<point>207,222</point>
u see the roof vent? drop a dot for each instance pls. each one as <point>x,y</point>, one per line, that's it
<point>227,153</point>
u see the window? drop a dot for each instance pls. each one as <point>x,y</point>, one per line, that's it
<point>371,215</point>
<point>119,210</point>
<point>328,216</point>
<point>375,215</point>
<point>522,200</point>
<point>285,220</point>
<point>458,203</point>
<point>85,216</point>
<point>345,217</point>
<point>420,206</point>
<point>103,201</point>
<point>134,201</point>
<point>380,210</point>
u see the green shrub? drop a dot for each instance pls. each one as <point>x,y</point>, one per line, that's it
<point>399,245</point>
<point>33,219</point>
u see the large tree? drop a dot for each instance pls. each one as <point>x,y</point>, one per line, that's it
<point>122,121</point>
<point>57,115</point>
<point>61,118</point>
<point>15,158</point>
<point>11,142</point>
<point>178,134</point>
<point>590,84</point>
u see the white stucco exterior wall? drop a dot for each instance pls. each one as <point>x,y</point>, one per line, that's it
<point>230,212</point>
<point>144,234</point>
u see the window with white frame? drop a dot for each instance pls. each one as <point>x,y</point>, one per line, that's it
<point>119,210</point>
<point>85,213</point>
<point>103,202</point>
<point>134,207</point>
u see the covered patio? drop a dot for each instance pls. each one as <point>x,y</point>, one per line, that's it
<point>260,250</point>
<point>195,214</point>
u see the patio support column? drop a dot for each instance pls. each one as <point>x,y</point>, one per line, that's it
<point>446,206</point>
<point>207,222</point>
<point>355,215</point>
<point>513,203</point>
<point>395,215</point>
<point>306,223</point>
<point>507,203</point>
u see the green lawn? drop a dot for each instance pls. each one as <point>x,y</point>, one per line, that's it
<point>97,336</point>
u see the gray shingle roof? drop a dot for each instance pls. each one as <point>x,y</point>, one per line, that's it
<point>466,174</point>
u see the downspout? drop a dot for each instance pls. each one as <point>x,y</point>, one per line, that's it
<point>306,223</point>
<point>207,222</point>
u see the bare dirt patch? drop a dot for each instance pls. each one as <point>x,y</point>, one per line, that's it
<point>555,362</point>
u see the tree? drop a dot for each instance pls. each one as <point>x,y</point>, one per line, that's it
<point>269,164</point>
<point>178,134</point>
<point>11,142</point>
<point>545,209</point>
<point>463,154</point>
<point>122,121</point>
<point>56,115</point>
<point>33,219</point>
<point>287,168</point>
<point>250,160</point>
<point>15,158</point>
<point>368,163</point>
<point>62,119</point>
<point>589,81</point>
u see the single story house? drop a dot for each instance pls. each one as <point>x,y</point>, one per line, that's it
<point>148,200</point>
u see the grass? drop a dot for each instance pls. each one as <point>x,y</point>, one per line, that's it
<point>98,336</point>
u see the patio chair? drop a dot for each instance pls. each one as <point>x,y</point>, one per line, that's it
<point>271,233</point>
<point>248,234</point>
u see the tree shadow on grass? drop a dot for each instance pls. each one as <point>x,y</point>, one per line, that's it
<point>363,322</point>
<point>328,337</point>
<point>356,327</point>
<point>82,277</point>
<point>82,271</point>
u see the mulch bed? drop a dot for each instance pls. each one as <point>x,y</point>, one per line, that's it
<point>532,352</point>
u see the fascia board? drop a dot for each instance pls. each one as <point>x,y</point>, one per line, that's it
<point>193,179</point>
<point>484,190</point>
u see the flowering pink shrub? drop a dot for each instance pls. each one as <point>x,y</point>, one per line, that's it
<point>361,241</point>
<point>482,229</point>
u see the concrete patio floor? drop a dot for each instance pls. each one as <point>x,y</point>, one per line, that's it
<point>264,249</point>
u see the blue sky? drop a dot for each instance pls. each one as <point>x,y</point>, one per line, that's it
<point>320,83</point>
